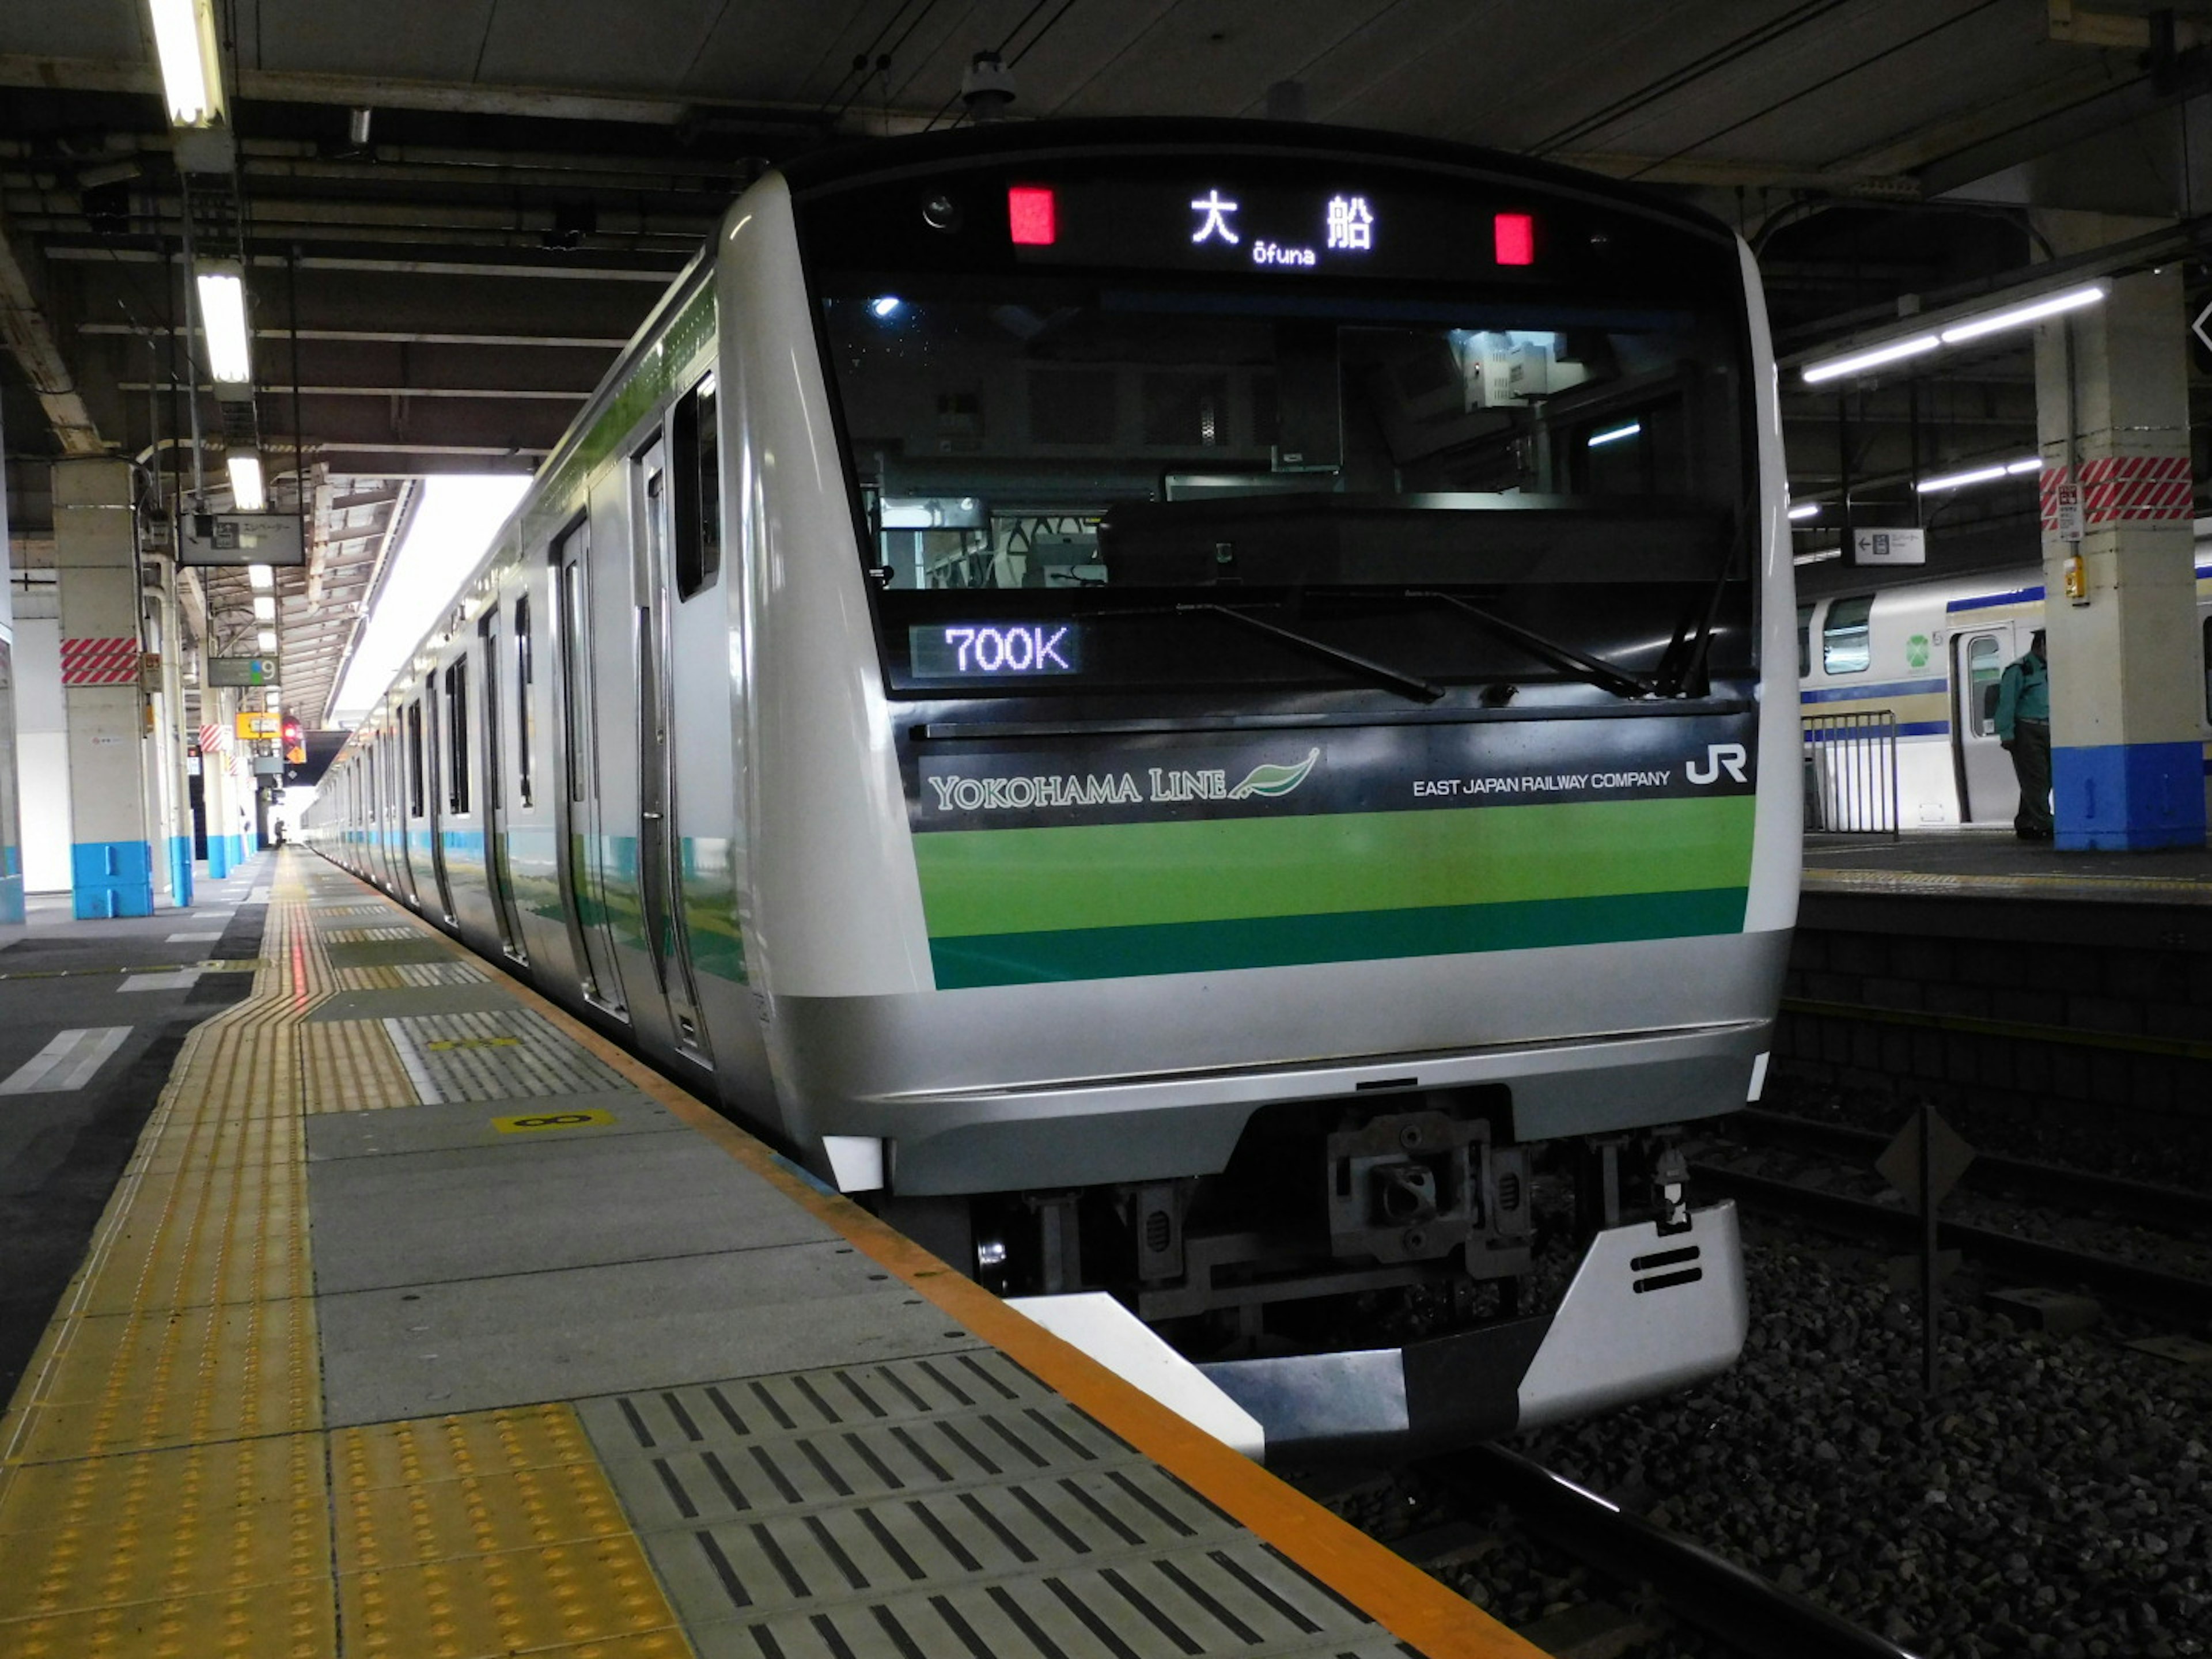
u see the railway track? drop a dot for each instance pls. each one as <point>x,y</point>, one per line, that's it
<point>2141,1201</point>
<point>1728,1602</point>
<point>2177,1298</point>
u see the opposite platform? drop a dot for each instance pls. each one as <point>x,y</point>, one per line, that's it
<point>425,1322</point>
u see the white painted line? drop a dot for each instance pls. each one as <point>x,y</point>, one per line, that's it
<point>182,979</point>
<point>410,1059</point>
<point>67,1062</point>
<point>192,938</point>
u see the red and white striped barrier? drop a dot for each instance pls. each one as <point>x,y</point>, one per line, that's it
<point>99,662</point>
<point>2124,489</point>
<point>214,739</point>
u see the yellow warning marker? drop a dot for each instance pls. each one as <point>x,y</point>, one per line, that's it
<point>444,1044</point>
<point>507,1126</point>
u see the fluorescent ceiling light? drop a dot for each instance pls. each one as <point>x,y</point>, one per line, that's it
<point>1821,557</point>
<point>222,321</point>
<point>1989,474</point>
<point>2013,316</point>
<point>267,639</point>
<point>264,607</point>
<point>1805,510</point>
<point>262,576</point>
<point>1614,434</point>
<point>246,494</point>
<point>453,523</point>
<point>1873,358</point>
<point>184,39</point>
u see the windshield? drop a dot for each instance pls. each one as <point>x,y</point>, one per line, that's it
<point>1037,448</point>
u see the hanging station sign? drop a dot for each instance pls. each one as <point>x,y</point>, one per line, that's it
<point>256,728</point>
<point>243,672</point>
<point>238,538</point>
<point>1876,546</point>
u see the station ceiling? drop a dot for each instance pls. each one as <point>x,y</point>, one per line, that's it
<point>443,291</point>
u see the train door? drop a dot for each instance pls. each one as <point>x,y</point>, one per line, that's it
<point>497,871</point>
<point>582,848</point>
<point>414,803</point>
<point>659,847</point>
<point>1988,791</point>
<point>437,778</point>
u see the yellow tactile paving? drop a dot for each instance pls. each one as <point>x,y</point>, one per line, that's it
<point>225,1518</point>
<point>351,1066</point>
<point>166,1490</point>
<point>519,1601</point>
<point>505,1442</point>
<point>170,1377</point>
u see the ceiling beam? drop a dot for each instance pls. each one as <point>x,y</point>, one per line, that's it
<point>30,336</point>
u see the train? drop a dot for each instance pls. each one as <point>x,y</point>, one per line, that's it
<point>1923,659</point>
<point>1197,714</point>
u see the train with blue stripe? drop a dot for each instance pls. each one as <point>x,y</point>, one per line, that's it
<point>1195,713</point>
<point>1929,654</point>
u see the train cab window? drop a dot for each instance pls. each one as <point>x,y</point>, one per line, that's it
<point>1804,640</point>
<point>415,760</point>
<point>525,674</point>
<point>1846,642</point>
<point>456,737</point>
<point>694,457</point>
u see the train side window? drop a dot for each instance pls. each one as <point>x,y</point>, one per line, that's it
<point>525,675</point>
<point>572,667</point>
<point>457,740</point>
<point>1804,640</point>
<point>415,760</point>
<point>1985,674</point>
<point>696,458</point>
<point>1846,644</point>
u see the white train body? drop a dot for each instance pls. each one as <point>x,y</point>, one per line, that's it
<point>993,749</point>
<point>1930,653</point>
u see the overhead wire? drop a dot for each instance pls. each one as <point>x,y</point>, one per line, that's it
<point>1826,81</point>
<point>1030,45</point>
<point>1719,57</point>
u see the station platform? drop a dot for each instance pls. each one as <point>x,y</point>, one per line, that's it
<point>1996,864</point>
<point>424,1323</point>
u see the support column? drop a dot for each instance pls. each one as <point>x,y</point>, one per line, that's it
<point>171,737</point>
<point>215,780</point>
<point>2127,759</point>
<point>111,855</point>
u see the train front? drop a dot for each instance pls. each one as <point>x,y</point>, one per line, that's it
<point>1254,767</point>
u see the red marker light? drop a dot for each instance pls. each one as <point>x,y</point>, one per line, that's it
<point>1030,216</point>
<point>1515,234</point>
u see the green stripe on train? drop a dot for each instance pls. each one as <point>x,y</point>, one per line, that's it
<point>1356,936</point>
<point>991,883</point>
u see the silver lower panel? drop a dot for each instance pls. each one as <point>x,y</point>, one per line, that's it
<point>1142,1079</point>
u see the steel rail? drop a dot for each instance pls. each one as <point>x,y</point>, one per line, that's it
<point>1703,1589</point>
<point>2176,1206</point>
<point>2185,1301</point>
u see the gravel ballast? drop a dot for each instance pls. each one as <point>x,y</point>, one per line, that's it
<point>2059,1501</point>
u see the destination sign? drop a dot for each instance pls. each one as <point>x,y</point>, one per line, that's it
<point>944,651</point>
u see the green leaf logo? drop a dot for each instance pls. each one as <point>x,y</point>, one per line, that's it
<point>1272,781</point>
<point>1916,651</point>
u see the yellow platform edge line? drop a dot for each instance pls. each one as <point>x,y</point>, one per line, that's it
<point>1405,1600</point>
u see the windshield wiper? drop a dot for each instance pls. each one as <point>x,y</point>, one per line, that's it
<point>1405,685</point>
<point>1598,671</point>
<point>1692,673</point>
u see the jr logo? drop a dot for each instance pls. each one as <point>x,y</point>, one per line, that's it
<point>1720,758</point>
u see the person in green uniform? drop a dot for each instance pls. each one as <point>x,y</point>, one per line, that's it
<point>2024,728</point>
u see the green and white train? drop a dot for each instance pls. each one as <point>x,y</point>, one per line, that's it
<point>1187,710</point>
